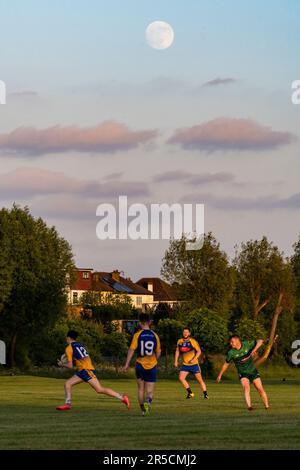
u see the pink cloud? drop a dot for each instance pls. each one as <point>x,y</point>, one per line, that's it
<point>29,182</point>
<point>230,134</point>
<point>108,137</point>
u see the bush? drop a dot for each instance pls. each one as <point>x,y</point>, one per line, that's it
<point>47,347</point>
<point>209,329</point>
<point>114,345</point>
<point>169,331</point>
<point>249,329</point>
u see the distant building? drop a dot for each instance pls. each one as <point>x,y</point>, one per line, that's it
<point>108,283</point>
<point>162,291</point>
<point>82,284</point>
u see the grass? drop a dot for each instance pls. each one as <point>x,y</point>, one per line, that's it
<point>29,419</point>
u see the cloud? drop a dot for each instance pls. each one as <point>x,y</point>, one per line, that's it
<point>219,81</point>
<point>176,175</point>
<point>30,182</point>
<point>235,203</point>
<point>108,137</point>
<point>23,94</point>
<point>192,179</point>
<point>223,134</point>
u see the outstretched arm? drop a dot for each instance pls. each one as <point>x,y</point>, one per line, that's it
<point>222,371</point>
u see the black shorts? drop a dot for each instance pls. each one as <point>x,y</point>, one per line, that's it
<point>250,377</point>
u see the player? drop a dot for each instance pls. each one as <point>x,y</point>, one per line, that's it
<point>242,354</point>
<point>147,344</point>
<point>86,372</point>
<point>190,351</point>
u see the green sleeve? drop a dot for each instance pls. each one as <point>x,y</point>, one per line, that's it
<point>229,357</point>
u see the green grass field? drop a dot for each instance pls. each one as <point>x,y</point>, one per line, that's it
<point>29,420</point>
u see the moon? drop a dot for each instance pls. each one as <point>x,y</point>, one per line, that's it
<point>159,35</point>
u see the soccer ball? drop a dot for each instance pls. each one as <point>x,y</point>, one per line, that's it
<point>63,361</point>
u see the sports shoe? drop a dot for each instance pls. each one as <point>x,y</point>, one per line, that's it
<point>65,407</point>
<point>147,409</point>
<point>250,408</point>
<point>190,395</point>
<point>205,396</point>
<point>126,401</point>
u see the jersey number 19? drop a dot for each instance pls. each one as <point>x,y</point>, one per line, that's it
<point>147,348</point>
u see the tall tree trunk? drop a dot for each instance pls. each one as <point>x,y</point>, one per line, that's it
<point>273,337</point>
<point>13,349</point>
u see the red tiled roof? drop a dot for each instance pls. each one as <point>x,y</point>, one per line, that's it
<point>110,282</point>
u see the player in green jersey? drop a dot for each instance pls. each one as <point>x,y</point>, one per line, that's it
<point>242,354</point>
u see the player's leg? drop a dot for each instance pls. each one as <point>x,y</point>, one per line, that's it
<point>259,387</point>
<point>141,394</point>
<point>202,384</point>
<point>182,378</point>
<point>75,380</point>
<point>246,387</point>
<point>96,385</point>
<point>149,392</point>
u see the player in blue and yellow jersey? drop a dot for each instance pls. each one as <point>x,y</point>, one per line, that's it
<point>190,351</point>
<point>147,345</point>
<point>77,354</point>
<point>243,354</point>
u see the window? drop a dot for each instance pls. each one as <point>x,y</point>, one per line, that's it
<point>86,275</point>
<point>75,297</point>
<point>139,301</point>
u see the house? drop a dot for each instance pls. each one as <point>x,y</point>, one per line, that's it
<point>162,291</point>
<point>115,283</point>
<point>83,283</point>
<point>108,283</point>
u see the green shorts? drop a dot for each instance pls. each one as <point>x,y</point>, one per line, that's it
<point>250,377</point>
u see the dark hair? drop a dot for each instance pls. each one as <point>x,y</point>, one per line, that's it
<point>187,328</point>
<point>72,334</point>
<point>144,318</point>
<point>234,336</point>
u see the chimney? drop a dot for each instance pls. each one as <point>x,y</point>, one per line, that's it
<point>150,286</point>
<point>115,275</point>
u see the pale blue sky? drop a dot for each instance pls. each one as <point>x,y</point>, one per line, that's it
<point>85,62</point>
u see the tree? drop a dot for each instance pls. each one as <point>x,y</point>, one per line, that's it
<point>249,329</point>
<point>109,307</point>
<point>40,267</point>
<point>209,329</point>
<point>203,277</point>
<point>295,263</point>
<point>169,331</point>
<point>265,285</point>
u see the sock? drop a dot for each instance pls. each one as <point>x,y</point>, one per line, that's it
<point>142,407</point>
<point>68,401</point>
<point>189,390</point>
<point>149,400</point>
<point>119,397</point>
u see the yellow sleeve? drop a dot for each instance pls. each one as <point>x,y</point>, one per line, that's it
<point>195,344</point>
<point>158,347</point>
<point>69,353</point>
<point>134,342</point>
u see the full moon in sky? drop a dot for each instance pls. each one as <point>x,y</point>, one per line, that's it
<point>159,35</point>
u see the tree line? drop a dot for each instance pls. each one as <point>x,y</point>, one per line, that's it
<point>255,294</point>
